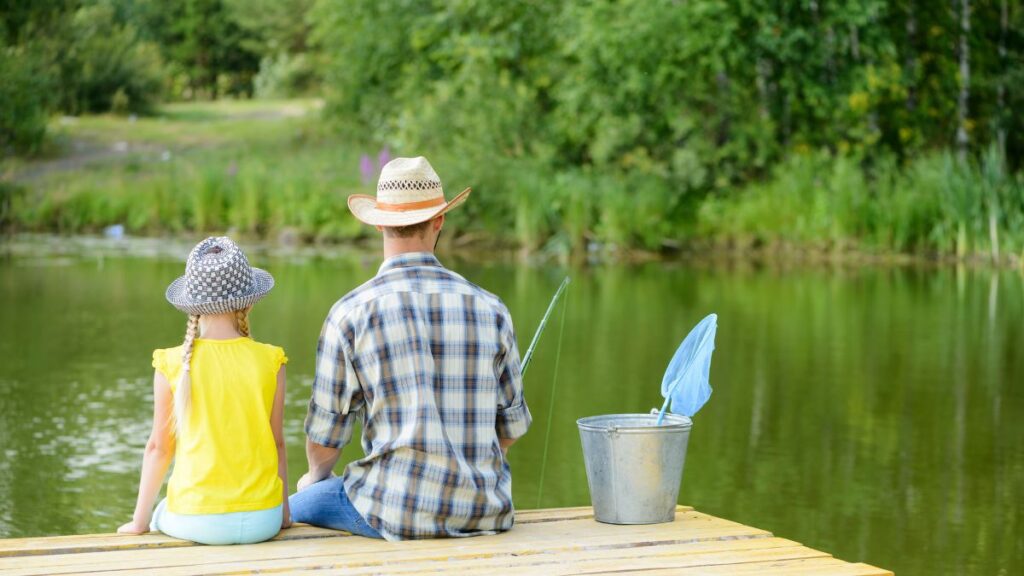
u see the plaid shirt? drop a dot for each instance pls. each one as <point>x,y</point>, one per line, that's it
<point>428,363</point>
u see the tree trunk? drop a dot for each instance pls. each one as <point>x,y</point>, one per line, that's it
<point>763,75</point>
<point>962,139</point>
<point>911,61</point>
<point>854,44</point>
<point>827,44</point>
<point>722,87</point>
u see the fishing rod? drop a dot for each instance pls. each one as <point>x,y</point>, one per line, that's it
<point>543,322</point>
<point>554,378</point>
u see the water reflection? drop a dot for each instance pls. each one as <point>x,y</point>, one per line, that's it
<point>874,413</point>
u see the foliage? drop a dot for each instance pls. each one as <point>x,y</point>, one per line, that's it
<point>74,57</point>
<point>215,47</point>
<point>138,49</point>
<point>279,31</point>
<point>666,103</point>
<point>205,46</point>
<point>263,169</point>
<point>284,76</point>
<point>272,27</point>
<point>25,99</point>
<point>261,178</point>
<point>253,192</point>
<point>104,62</point>
<point>936,205</point>
<point>625,123</point>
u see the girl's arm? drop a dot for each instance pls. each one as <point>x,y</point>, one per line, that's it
<point>276,423</point>
<point>157,457</point>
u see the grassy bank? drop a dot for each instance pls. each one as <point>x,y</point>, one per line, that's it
<point>272,170</point>
<point>933,206</point>
<point>249,167</point>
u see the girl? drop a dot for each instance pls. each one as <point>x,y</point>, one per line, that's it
<point>218,404</point>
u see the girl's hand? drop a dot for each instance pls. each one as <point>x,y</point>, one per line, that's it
<point>134,528</point>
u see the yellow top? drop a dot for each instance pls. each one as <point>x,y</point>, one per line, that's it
<point>226,460</point>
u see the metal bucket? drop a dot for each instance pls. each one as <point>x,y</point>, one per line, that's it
<point>633,466</point>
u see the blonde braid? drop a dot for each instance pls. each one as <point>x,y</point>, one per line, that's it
<point>242,318</point>
<point>183,395</point>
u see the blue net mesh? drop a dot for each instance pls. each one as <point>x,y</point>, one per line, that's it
<point>686,379</point>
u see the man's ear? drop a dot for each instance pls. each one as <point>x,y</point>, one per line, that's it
<point>437,223</point>
<point>379,228</point>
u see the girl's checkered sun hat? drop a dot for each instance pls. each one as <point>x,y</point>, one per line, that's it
<point>218,279</point>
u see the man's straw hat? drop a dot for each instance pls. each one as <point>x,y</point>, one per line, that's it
<point>408,192</point>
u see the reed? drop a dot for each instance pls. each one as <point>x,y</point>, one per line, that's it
<point>933,205</point>
<point>260,191</point>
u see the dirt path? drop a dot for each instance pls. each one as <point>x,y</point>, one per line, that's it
<point>84,152</point>
<point>79,151</point>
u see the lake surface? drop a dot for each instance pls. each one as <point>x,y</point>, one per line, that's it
<point>875,413</point>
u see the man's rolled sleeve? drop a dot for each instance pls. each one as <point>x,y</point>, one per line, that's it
<point>513,419</point>
<point>337,396</point>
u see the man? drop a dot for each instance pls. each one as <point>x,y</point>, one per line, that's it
<point>428,363</point>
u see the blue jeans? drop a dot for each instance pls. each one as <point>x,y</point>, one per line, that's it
<point>218,529</point>
<point>325,504</point>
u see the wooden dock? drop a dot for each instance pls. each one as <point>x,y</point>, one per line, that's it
<point>544,542</point>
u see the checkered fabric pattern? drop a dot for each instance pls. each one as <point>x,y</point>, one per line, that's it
<point>428,363</point>
<point>218,279</point>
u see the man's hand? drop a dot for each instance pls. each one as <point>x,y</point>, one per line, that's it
<point>321,461</point>
<point>308,480</point>
<point>505,443</point>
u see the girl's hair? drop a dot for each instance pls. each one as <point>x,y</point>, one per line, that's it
<point>242,320</point>
<point>183,395</point>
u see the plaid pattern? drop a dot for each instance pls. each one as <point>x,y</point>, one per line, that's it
<point>428,363</point>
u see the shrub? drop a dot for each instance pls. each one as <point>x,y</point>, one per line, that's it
<point>25,99</point>
<point>283,76</point>
<point>104,61</point>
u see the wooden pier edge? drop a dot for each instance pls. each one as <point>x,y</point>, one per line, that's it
<point>557,541</point>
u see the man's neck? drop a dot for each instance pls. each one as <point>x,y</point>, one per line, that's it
<point>395,246</point>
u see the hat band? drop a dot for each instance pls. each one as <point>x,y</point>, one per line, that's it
<point>407,206</point>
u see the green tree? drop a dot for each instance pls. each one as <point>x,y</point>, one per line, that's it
<point>104,61</point>
<point>278,31</point>
<point>210,54</point>
<point>26,98</point>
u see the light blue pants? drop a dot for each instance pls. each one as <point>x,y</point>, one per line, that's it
<point>218,529</point>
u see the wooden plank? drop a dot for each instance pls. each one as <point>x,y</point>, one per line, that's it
<point>546,536</point>
<point>541,562</point>
<point>582,563</point>
<point>549,542</point>
<point>526,536</point>
<point>818,566</point>
<point>100,542</point>
<point>556,565</point>
<point>546,560</point>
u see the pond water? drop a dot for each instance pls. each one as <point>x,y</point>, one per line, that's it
<point>875,413</point>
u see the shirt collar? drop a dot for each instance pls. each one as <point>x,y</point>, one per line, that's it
<point>408,260</point>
